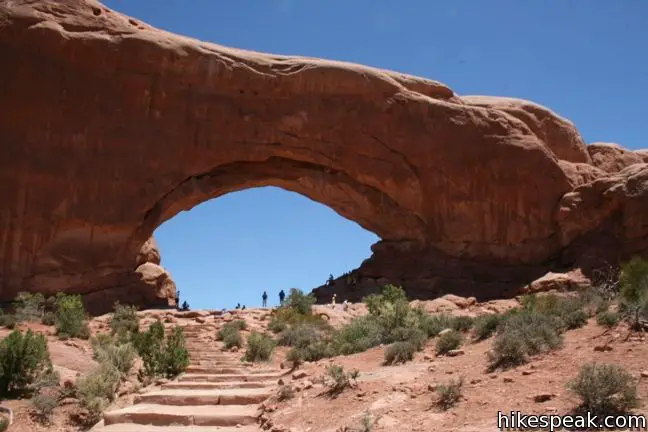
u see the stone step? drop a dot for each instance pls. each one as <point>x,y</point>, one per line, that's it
<point>198,385</point>
<point>195,397</point>
<point>198,415</point>
<point>126,427</point>
<point>228,377</point>
<point>213,370</point>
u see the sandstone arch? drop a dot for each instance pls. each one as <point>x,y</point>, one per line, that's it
<point>109,127</point>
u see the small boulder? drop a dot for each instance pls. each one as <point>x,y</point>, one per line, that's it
<point>455,352</point>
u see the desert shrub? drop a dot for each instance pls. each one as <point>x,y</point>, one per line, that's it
<point>389,294</point>
<point>239,324</point>
<point>230,334</point>
<point>176,355</point>
<point>162,356</point>
<point>124,319</point>
<point>449,394</point>
<point>634,291</point>
<point>285,392</point>
<point>462,323</point>
<point>121,355</point>
<point>435,324</point>
<point>49,318</point>
<point>4,424</point>
<point>399,352</point>
<point>295,356</point>
<point>7,320</point>
<point>97,389</point>
<point>524,334</point>
<point>300,336</point>
<point>232,339</point>
<point>337,379</point>
<point>44,405</point>
<point>70,317</point>
<point>391,319</point>
<point>486,325</point>
<point>259,347</point>
<point>367,422</point>
<point>23,359</point>
<point>359,335</point>
<point>299,302</point>
<point>604,389</point>
<point>276,325</point>
<point>448,341</point>
<point>29,307</point>
<point>568,310</point>
<point>607,318</point>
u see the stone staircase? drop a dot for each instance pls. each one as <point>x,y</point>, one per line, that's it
<point>217,393</point>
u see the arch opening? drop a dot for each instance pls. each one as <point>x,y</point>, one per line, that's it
<point>230,249</point>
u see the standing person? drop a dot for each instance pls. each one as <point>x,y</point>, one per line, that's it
<point>282,296</point>
<point>264,297</point>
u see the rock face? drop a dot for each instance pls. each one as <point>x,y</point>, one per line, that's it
<point>109,127</point>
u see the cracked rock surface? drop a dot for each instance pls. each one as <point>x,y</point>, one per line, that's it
<point>109,127</point>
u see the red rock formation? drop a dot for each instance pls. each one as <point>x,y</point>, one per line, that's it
<point>109,127</point>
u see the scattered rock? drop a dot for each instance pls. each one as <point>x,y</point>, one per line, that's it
<point>543,397</point>
<point>455,352</point>
<point>527,372</point>
<point>508,380</point>
<point>644,374</point>
<point>444,331</point>
<point>300,374</point>
<point>602,348</point>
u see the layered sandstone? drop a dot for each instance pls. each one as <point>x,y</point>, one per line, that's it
<point>109,127</point>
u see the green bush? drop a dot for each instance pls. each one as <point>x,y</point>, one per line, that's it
<point>124,319</point>
<point>23,359</point>
<point>337,379</point>
<point>522,335</point>
<point>299,302</point>
<point>176,355</point>
<point>7,320</point>
<point>44,405</point>
<point>276,325</point>
<point>389,294</point>
<point>97,389</point>
<point>230,334</point>
<point>435,324</point>
<point>29,307</point>
<point>570,311</point>
<point>462,323</point>
<point>232,339</point>
<point>162,356</point>
<point>359,335</point>
<point>607,318</point>
<point>70,317</point>
<point>121,355</point>
<point>49,318</point>
<point>449,394</point>
<point>448,341</point>
<point>4,424</point>
<point>300,336</point>
<point>295,356</point>
<point>486,325</point>
<point>605,389</point>
<point>259,347</point>
<point>634,291</point>
<point>400,352</point>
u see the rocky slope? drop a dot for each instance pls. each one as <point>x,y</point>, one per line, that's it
<point>110,127</point>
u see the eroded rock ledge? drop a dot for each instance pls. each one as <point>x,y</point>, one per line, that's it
<point>109,127</point>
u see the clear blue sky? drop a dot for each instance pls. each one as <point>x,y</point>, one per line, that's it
<point>585,59</point>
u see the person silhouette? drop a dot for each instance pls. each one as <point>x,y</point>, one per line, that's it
<point>282,296</point>
<point>243,308</point>
<point>264,297</point>
<point>238,306</point>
